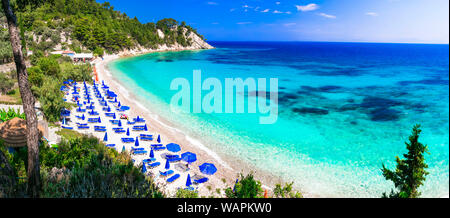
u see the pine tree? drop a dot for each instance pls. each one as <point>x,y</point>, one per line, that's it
<point>410,172</point>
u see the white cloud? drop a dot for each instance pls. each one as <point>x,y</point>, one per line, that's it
<point>212,3</point>
<point>277,12</point>
<point>277,3</point>
<point>289,24</point>
<point>265,11</point>
<point>233,9</point>
<point>327,15</point>
<point>372,14</point>
<point>308,7</point>
<point>257,8</point>
<point>288,12</point>
<point>242,23</point>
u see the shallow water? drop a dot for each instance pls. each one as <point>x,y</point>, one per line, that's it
<point>344,108</point>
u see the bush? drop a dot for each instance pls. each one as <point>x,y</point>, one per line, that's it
<point>83,167</point>
<point>286,191</point>
<point>6,84</point>
<point>247,187</point>
<point>183,193</point>
<point>51,99</point>
<point>49,66</point>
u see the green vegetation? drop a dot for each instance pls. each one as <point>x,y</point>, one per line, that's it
<point>183,193</point>
<point>286,191</point>
<point>90,26</point>
<point>81,167</point>
<point>10,114</point>
<point>247,187</point>
<point>46,78</point>
<point>410,172</point>
<point>6,83</point>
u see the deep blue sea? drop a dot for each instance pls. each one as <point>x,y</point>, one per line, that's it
<point>344,109</point>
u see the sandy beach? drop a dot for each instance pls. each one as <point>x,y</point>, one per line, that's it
<point>170,134</point>
<point>228,166</point>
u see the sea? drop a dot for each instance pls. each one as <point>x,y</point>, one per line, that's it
<point>344,109</point>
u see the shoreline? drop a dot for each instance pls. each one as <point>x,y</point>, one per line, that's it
<point>228,166</point>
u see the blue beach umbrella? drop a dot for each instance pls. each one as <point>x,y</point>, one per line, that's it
<point>99,120</point>
<point>115,99</point>
<point>105,138</point>
<point>189,157</point>
<point>82,117</point>
<point>188,181</point>
<point>159,139</point>
<point>128,131</point>
<point>173,147</point>
<point>120,123</point>
<point>208,168</point>
<point>136,143</point>
<point>114,116</point>
<point>152,155</point>
<point>167,165</point>
<point>124,108</point>
<point>145,127</point>
<point>123,148</point>
<point>118,104</point>
<point>64,121</point>
<point>144,169</point>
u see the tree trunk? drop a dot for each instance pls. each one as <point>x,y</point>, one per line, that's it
<point>28,103</point>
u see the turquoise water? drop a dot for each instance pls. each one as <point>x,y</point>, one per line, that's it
<point>344,109</point>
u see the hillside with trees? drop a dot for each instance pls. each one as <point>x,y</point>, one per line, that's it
<point>85,25</point>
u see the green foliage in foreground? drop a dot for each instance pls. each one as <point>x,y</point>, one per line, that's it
<point>410,172</point>
<point>9,114</point>
<point>247,187</point>
<point>83,167</point>
<point>183,193</point>
<point>286,191</point>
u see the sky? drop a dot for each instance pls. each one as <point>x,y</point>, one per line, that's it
<point>391,21</point>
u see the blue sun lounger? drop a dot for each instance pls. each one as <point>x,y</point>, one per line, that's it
<point>127,140</point>
<point>119,131</point>
<point>111,145</point>
<point>173,178</point>
<point>93,113</point>
<point>200,181</point>
<point>149,160</point>
<point>131,122</point>
<point>110,114</point>
<point>66,127</point>
<point>137,149</point>
<point>83,127</point>
<point>140,120</point>
<point>146,137</point>
<point>138,128</point>
<point>154,164</point>
<point>114,121</point>
<point>166,173</point>
<point>94,120</point>
<point>80,110</point>
<point>159,148</point>
<point>140,152</point>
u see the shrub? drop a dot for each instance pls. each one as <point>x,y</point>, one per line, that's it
<point>6,84</point>
<point>183,193</point>
<point>247,187</point>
